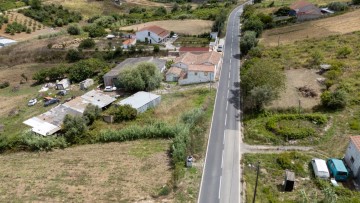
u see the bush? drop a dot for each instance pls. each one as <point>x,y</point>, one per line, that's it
<point>247,42</point>
<point>73,55</point>
<point>87,44</point>
<point>15,27</point>
<point>74,128</point>
<point>4,85</point>
<point>73,30</point>
<point>156,48</point>
<point>283,11</point>
<point>95,30</point>
<point>334,100</point>
<point>123,113</point>
<point>253,24</point>
<point>343,52</point>
<point>338,6</point>
<point>291,132</point>
<point>34,142</point>
<point>86,68</point>
<point>91,113</point>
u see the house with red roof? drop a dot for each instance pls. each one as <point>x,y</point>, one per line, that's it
<point>190,68</point>
<point>152,34</point>
<point>352,157</point>
<point>128,43</point>
<point>304,10</point>
<point>194,50</point>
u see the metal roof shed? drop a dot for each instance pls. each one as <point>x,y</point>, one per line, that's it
<point>97,98</point>
<point>141,101</point>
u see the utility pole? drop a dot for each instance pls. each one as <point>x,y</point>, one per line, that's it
<point>257,177</point>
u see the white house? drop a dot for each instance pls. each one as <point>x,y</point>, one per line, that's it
<point>174,74</point>
<point>128,43</point>
<point>141,101</point>
<point>152,34</point>
<point>197,68</point>
<point>352,157</point>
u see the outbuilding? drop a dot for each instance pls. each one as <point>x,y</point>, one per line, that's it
<point>352,157</point>
<point>141,101</point>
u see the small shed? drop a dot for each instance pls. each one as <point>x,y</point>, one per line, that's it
<point>86,83</point>
<point>352,157</point>
<point>110,36</point>
<point>141,101</point>
<point>62,84</point>
<point>337,169</point>
<point>289,181</point>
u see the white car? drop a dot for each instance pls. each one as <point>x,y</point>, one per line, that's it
<point>175,36</point>
<point>32,102</point>
<point>109,89</point>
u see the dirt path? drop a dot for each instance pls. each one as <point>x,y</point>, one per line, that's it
<point>245,148</point>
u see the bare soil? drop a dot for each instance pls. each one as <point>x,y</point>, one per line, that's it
<point>20,18</point>
<point>192,27</point>
<point>341,24</point>
<point>116,172</point>
<point>290,97</point>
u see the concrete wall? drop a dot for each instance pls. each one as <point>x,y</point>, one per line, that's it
<point>171,77</point>
<point>352,151</point>
<point>149,105</point>
<point>197,77</point>
<point>152,39</point>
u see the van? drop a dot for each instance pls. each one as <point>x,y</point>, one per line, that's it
<point>220,48</point>
<point>337,169</point>
<point>320,168</point>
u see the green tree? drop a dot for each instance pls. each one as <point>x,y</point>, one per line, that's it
<point>75,128</point>
<point>123,113</point>
<point>73,30</point>
<point>261,83</point>
<point>356,2</point>
<point>91,113</point>
<point>247,42</point>
<point>35,4</point>
<point>40,76</point>
<point>254,24</point>
<point>95,31</point>
<point>156,48</point>
<point>131,80</point>
<point>87,43</point>
<point>86,68</point>
<point>160,11</point>
<point>283,11</point>
<point>73,55</point>
<point>334,100</point>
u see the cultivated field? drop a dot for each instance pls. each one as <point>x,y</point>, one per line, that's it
<point>342,24</point>
<point>36,28</point>
<point>192,27</point>
<point>116,172</point>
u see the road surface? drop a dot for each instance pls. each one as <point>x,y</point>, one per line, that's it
<point>221,176</point>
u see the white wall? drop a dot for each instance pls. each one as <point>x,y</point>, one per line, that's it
<point>197,77</point>
<point>149,105</point>
<point>180,65</point>
<point>171,77</point>
<point>152,39</point>
<point>354,152</point>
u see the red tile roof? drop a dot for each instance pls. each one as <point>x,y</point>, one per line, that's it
<point>188,58</point>
<point>174,70</point>
<point>157,30</point>
<point>356,141</point>
<point>201,68</point>
<point>299,4</point>
<point>304,7</point>
<point>129,41</point>
<point>194,49</point>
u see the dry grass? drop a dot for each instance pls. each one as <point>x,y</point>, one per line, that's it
<point>115,172</point>
<point>192,27</point>
<point>342,24</point>
<point>296,78</point>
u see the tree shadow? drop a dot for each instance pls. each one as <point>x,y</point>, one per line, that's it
<point>237,56</point>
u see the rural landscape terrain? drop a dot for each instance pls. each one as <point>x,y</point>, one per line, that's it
<point>298,96</point>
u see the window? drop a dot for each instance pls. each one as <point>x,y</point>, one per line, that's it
<point>149,34</point>
<point>352,159</point>
<point>195,73</point>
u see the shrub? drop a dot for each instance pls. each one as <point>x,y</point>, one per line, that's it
<point>34,142</point>
<point>156,48</point>
<point>283,11</point>
<point>73,55</point>
<point>86,68</point>
<point>15,27</point>
<point>73,30</point>
<point>91,113</point>
<point>338,6</point>
<point>254,24</point>
<point>75,128</point>
<point>95,30</point>
<point>4,85</point>
<point>247,42</point>
<point>356,2</point>
<point>105,21</point>
<point>334,100</point>
<point>87,44</point>
<point>123,113</point>
<point>343,52</point>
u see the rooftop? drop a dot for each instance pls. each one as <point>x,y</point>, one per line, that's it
<point>212,57</point>
<point>339,165</point>
<point>97,98</point>
<point>356,141</point>
<point>139,99</point>
<point>202,68</point>
<point>321,164</point>
<point>129,41</point>
<point>160,63</point>
<point>174,70</point>
<point>157,30</point>
<point>194,49</point>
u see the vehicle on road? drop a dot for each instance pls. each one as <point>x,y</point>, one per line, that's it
<point>220,47</point>
<point>109,89</point>
<point>32,102</point>
<point>51,101</point>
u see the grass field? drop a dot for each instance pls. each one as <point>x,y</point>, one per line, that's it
<point>191,27</point>
<point>341,24</point>
<point>120,172</point>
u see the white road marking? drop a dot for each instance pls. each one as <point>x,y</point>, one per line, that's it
<point>222,159</point>
<point>220,187</point>
<point>224,138</point>
<point>229,75</point>
<point>227,104</point>
<point>225,119</point>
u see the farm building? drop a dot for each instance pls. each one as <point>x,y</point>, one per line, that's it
<point>141,101</point>
<point>352,157</point>
<point>152,34</point>
<point>197,68</point>
<point>63,84</point>
<point>6,42</point>
<point>128,43</point>
<point>304,10</point>
<point>50,122</point>
<point>86,83</point>
<point>193,50</point>
<point>337,169</point>
<point>110,78</point>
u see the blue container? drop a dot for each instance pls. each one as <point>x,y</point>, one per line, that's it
<point>337,169</point>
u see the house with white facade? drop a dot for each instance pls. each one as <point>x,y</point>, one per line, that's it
<point>352,157</point>
<point>152,34</point>
<point>196,68</point>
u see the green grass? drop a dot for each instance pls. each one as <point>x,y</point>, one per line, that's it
<point>192,42</point>
<point>10,4</point>
<point>147,148</point>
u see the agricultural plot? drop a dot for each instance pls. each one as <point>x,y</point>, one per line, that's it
<point>341,24</point>
<point>190,27</point>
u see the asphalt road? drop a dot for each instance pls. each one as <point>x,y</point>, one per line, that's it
<point>221,176</point>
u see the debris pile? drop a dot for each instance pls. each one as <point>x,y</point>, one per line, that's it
<point>307,92</point>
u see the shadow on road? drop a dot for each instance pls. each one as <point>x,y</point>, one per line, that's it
<point>236,56</point>
<point>235,95</point>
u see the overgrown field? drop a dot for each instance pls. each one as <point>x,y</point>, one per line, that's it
<point>10,4</point>
<point>341,24</point>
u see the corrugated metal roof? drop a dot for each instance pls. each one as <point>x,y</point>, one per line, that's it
<point>339,165</point>
<point>139,99</point>
<point>98,98</point>
<point>41,127</point>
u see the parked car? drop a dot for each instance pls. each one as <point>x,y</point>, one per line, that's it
<point>51,101</point>
<point>109,89</point>
<point>175,36</point>
<point>32,102</point>
<point>320,168</point>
